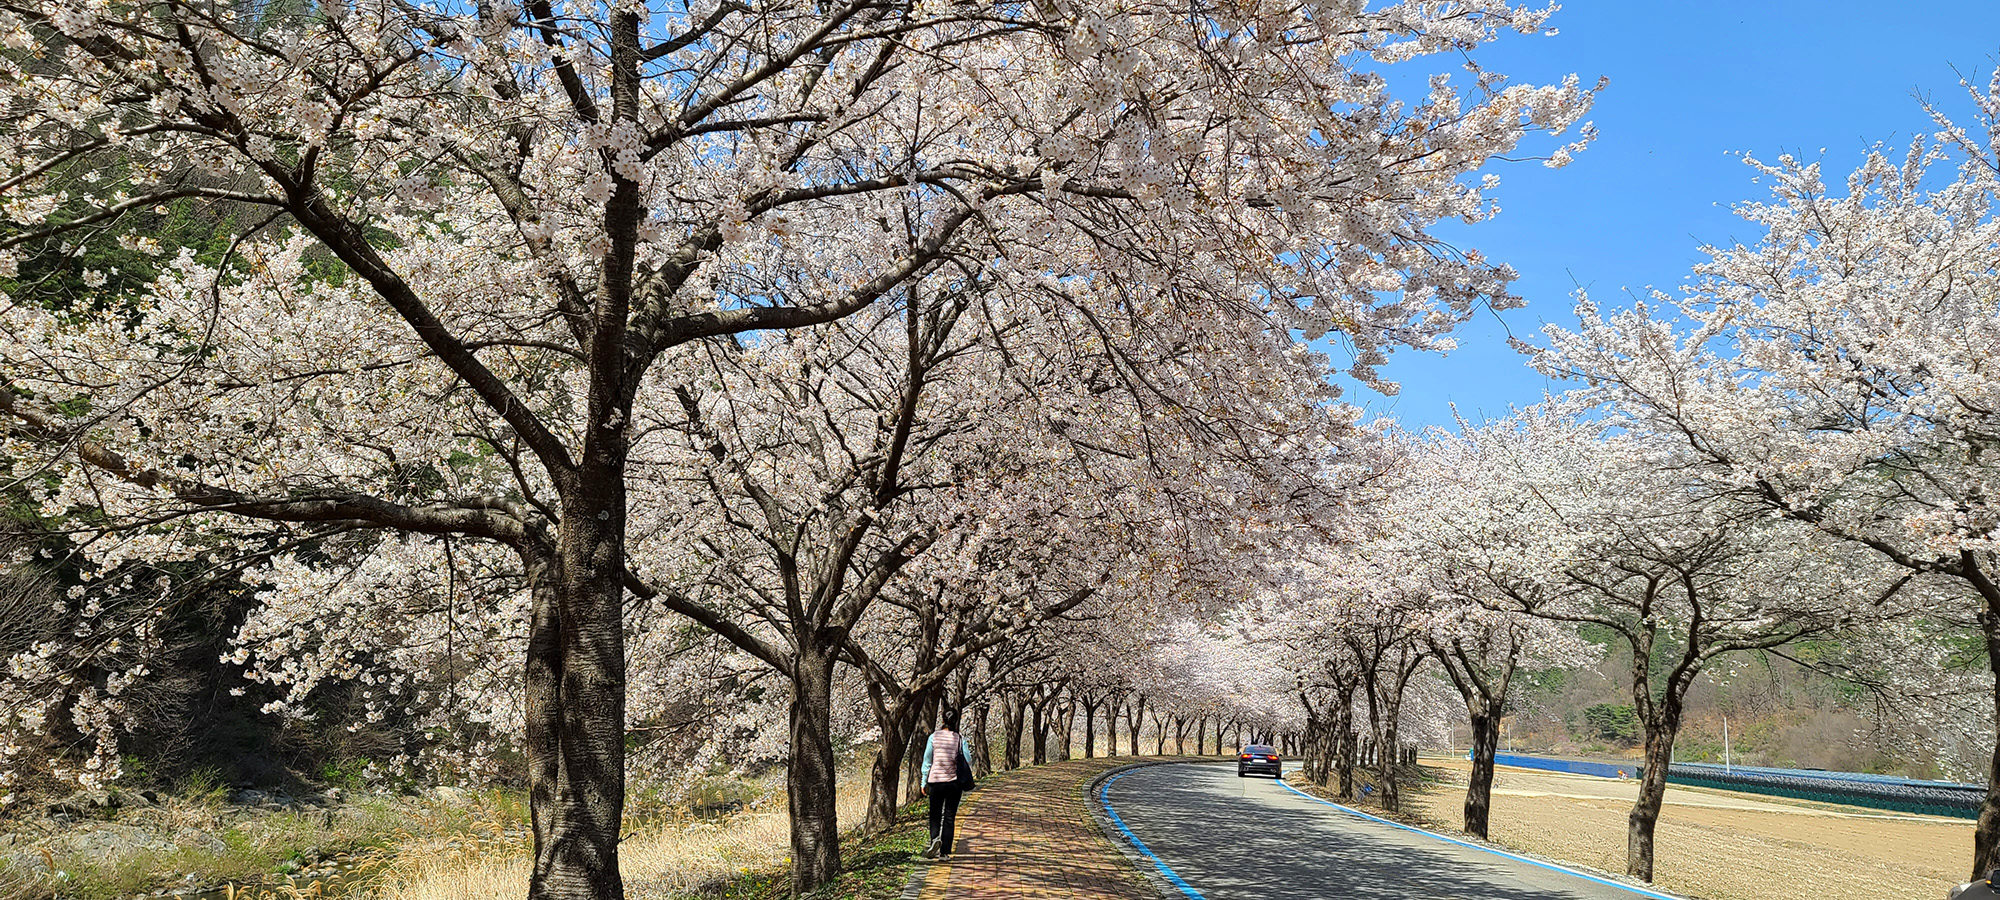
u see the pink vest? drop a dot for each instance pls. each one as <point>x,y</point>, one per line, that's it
<point>944,757</point>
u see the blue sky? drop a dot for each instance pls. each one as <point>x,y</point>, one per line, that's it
<point>1693,84</point>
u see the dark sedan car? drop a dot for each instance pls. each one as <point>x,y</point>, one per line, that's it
<point>1260,760</point>
<point>1978,890</point>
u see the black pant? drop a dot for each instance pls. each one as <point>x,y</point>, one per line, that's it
<point>944,810</point>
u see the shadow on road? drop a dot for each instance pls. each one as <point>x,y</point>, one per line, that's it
<point>1257,841</point>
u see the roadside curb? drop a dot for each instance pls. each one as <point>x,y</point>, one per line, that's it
<point>915,886</point>
<point>1148,869</point>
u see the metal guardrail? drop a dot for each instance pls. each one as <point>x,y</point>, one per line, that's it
<point>1934,798</point>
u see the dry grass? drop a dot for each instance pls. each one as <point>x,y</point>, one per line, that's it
<point>672,860</point>
<point>233,848</point>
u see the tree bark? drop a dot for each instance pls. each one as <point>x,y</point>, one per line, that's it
<point>1479,790</point>
<point>576,695</point>
<point>809,780</point>
<point>920,729</point>
<point>1348,739</point>
<point>1041,750</point>
<point>1066,735</point>
<point>1986,832</point>
<point>898,721</point>
<point>1012,714</point>
<point>885,774</point>
<point>1388,758</point>
<point>1652,792</point>
<point>982,744</point>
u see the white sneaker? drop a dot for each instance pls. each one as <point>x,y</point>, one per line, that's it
<point>931,852</point>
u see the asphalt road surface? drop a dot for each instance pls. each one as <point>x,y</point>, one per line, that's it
<point>1230,838</point>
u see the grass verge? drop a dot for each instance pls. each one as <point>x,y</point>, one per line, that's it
<point>873,867</point>
<point>204,844</point>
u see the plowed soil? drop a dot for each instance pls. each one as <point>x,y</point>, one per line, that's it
<point>1716,844</point>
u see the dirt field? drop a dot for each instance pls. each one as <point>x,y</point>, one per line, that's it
<point>1718,845</point>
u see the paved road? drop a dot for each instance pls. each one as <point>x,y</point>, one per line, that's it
<point>1233,838</point>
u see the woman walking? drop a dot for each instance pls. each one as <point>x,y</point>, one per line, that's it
<point>947,773</point>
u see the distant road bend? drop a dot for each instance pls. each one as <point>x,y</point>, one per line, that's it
<point>1220,837</point>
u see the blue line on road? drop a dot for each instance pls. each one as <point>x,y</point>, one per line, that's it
<point>1451,840</point>
<point>1104,798</point>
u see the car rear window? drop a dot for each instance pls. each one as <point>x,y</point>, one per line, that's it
<point>1259,748</point>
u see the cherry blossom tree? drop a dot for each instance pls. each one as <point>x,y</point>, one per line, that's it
<point>1584,527</point>
<point>1443,534</point>
<point>486,242</point>
<point>1836,370</point>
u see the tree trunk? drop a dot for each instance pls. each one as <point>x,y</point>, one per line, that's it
<point>810,777</point>
<point>926,710</point>
<point>982,744</point>
<point>1479,790</point>
<point>1180,736</point>
<point>575,698</point>
<point>898,722</point>
<point>1111,727</point>
<point>1347,739</point>
<point>1135,716</point>
<point>1068,733</point>
<point>1986,833</point>
<point>884,775</point>
<point>1012,714</point>
<point>1041,729</point>
<point>1652,791</point>
<point>1388,756</point>
<point>1089,730</point>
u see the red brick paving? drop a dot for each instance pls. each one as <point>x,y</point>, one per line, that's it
<point>1028,833</point>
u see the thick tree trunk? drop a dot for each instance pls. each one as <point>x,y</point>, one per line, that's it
<point>575,699</point>
<point>884,776</point>
<point>1652,791</point>
<point>982,743</point>
<point>1013,714</point>
<point>1986,833</point>
<point>1067,734</point>
<point>920,730</point>
<point>1180,736</point>
<point>1135,717</point>
<point>1479,790</point>
<point>1089,731</point>
<point>1111,727</point>
<point>1388,759</point>
<point>898,722</point>
<point>1347,739</point>
<point>1041,729</point>
<point>809,779</point>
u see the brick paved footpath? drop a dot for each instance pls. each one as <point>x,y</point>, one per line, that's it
<point>1029,834</point>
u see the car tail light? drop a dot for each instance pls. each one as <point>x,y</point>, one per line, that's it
<point>1248,756</point>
